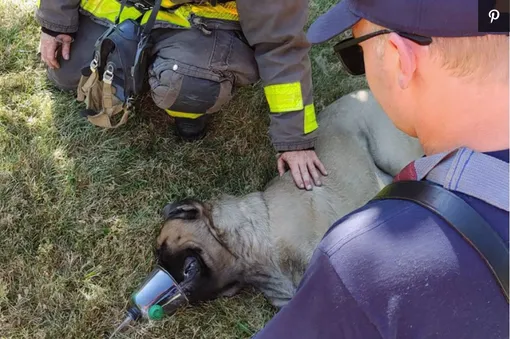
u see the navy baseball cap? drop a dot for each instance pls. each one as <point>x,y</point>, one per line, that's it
<point>432,18</point>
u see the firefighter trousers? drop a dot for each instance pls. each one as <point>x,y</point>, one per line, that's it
<point>193,71</point>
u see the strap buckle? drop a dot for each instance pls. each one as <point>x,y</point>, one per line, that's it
<point>108,74</point>
<point>93,65</point>
<point>95,62</point>
<point>142,7</point>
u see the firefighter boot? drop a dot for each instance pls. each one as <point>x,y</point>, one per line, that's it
<point>192,129</point>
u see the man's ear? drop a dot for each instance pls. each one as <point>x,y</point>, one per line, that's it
<point>407,59</point>
<point>180,210</point>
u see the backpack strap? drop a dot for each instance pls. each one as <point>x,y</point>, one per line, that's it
<point>122,5</point>
<point>152,18</point>
<point>150,21</point>
<point>140,63</point>
<point>117,71</point>
<point>461,217</point>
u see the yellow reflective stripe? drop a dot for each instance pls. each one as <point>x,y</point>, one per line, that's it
<point>109,9</point>
<point>181,15</point>
<point>168,3</point>
<point>38,3</point>
<point>310,124</point>
<point>226,11</point>
<point>284,97</point>
<point>176,114</point>
<point>178,17</point>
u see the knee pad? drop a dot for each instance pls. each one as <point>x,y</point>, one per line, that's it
<point>184,95</point>
<point>64,79</point>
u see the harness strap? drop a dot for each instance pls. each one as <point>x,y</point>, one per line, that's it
<point>461,217</point>
<point>85,88</point>
<point>90,82</point>
<point>473,173</point>
<point>107,87</point>
<point>122,5</point>
<point>124,117</point>
<point>107,96</point>
<point>103,119</point>
<point>152,19</point>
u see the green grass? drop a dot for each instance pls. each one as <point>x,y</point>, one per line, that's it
<point>79,206</point>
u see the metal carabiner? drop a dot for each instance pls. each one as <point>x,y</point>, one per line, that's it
<point>108,73</point>
<point>95,62</point>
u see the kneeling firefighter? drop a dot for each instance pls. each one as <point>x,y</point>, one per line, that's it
<point>191,55</point>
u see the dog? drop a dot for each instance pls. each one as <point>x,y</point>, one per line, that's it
<point>266,239</point>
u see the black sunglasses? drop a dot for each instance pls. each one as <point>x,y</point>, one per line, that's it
<point>350,52</point>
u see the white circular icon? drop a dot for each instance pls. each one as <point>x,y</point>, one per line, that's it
<point>493,14</point>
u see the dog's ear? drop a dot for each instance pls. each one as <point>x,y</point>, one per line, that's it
<point>180,210</point>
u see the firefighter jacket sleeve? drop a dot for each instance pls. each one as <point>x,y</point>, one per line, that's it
<point>275,29</point>
<point>60,16</point>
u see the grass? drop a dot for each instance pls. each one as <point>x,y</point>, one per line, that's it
<point>79,206</point>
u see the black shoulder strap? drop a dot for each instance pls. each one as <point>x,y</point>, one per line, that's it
<point>462,217</point>
<point>122,5</point>
<point>152,18</point>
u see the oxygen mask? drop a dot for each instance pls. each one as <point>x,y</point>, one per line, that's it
<point>159,295</point>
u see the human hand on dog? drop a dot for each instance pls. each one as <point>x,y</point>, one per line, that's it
<point>49,47</point>
<point>303,165</point>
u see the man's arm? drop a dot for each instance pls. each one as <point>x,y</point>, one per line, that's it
<point>321,308</point>
<point>275,29</point>
<point>59,16</point>
<point>59,21</point>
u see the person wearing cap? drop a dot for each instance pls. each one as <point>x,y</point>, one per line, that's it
<point>393,268</point>
<point>204,51</point>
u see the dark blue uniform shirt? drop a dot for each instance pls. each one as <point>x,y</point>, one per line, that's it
<point>393,269</point>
